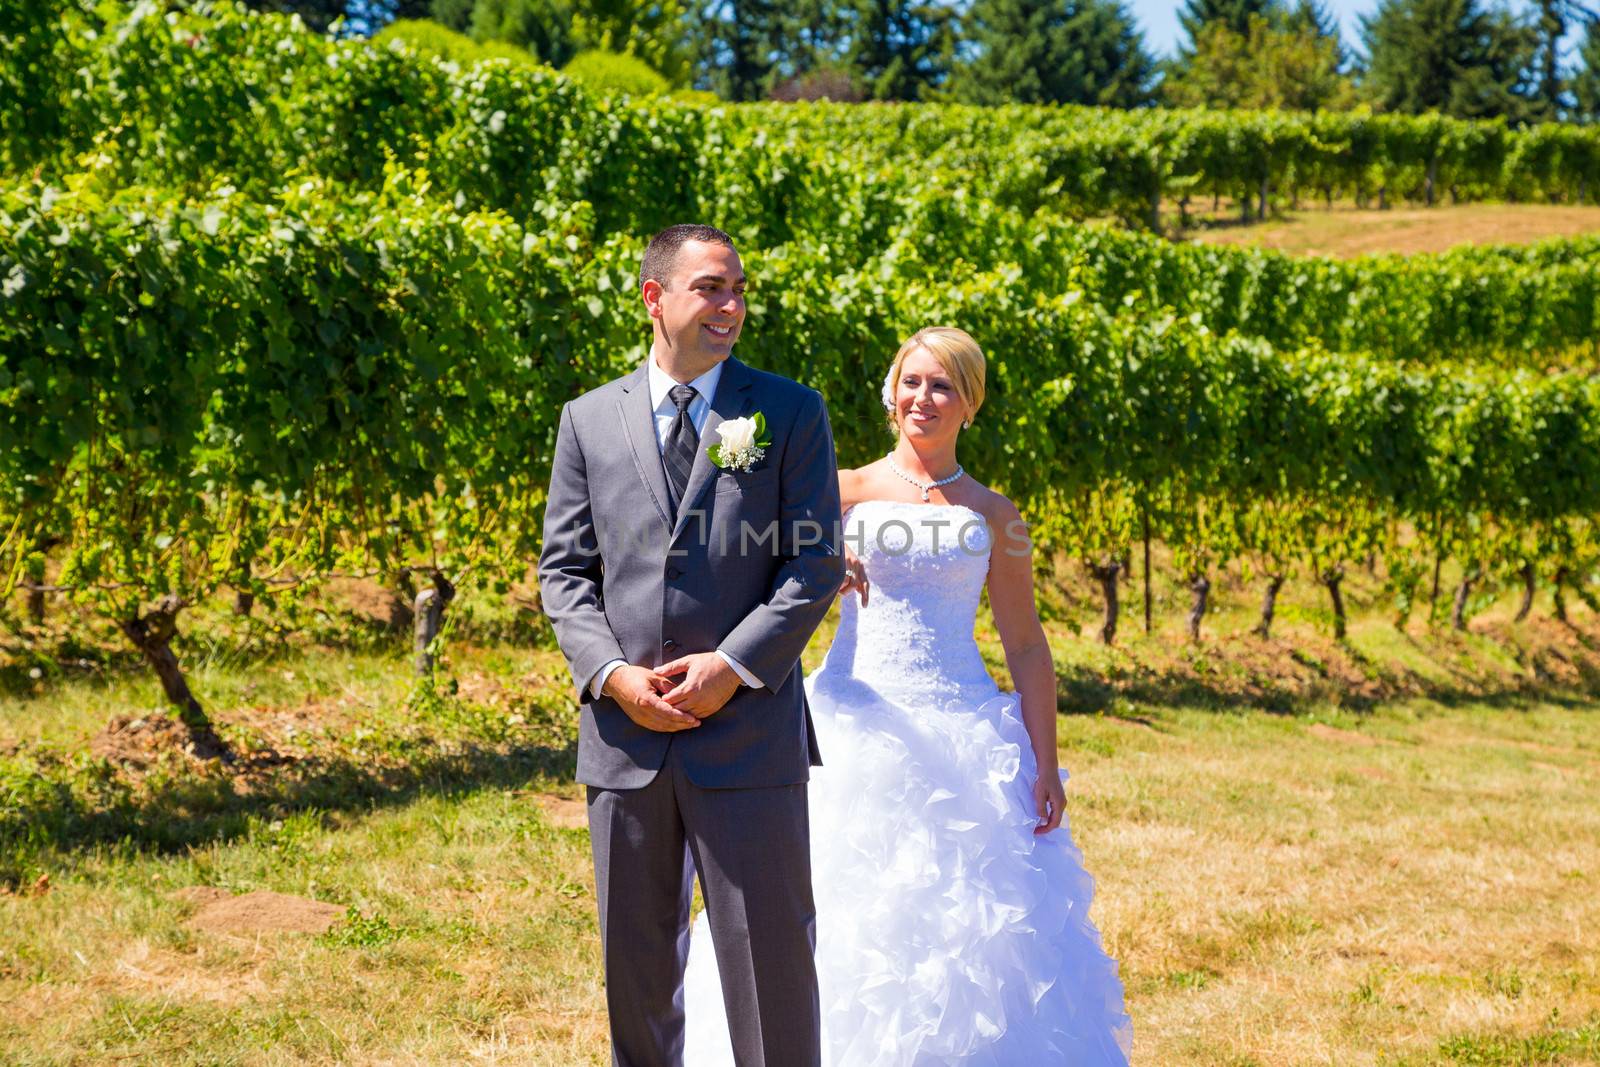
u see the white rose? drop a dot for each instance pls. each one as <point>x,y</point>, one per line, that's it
<point>737,434</point>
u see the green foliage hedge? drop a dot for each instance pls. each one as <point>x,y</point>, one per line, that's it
<point>607,72</point>
<point>273,305</point>
<point>373,379</point>
<point>187,102</point>
<point>425,35</point>
<point>1096,161</point>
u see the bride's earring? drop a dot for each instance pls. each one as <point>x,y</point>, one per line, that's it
<point>966,424</point>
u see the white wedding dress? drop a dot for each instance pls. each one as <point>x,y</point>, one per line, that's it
<point>947,932</point>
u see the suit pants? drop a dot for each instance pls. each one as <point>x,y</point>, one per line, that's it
<point>752,850</point>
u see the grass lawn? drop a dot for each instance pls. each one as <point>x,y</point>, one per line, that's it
<point>1399,863</point>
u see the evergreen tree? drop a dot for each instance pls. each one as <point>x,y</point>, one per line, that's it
<point>456,14</point>
<point>738,44</point>
<point>903,49</point>
<point>543,27</point>
<point>1314,18</point>
<point>1232,14</point>
<point>1586,81</point>
<point>1272,66</point>
<point>1451,56</point>
<point>813,34</point>
<point>1055,51</point>
<point>1552,20</point>
<point>807,43</point>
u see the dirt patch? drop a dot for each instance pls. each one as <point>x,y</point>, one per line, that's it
<point>1349,737</point>
<point>1239,669</point>
<point>303,727</point>
<point>370,601</point>
<point>262,911</point>
<point>563,812</point>
<point>147,969</point>
<point>1554,767</point>
<point>1311,664</point>
<point>1535,657</point>
<point>1374,774</point>
<point>141,742</point>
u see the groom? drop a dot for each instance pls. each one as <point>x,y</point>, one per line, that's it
<point>682,593</point>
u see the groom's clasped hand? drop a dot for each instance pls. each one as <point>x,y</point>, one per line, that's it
<point>707,684</point>
<point>657,701</point>
<point>641,693</point>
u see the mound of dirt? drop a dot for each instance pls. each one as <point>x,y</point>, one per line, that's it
<point>142,741</point>
<point>139,742</point>
<point>262,911</point>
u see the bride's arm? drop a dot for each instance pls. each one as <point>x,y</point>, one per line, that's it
<point>1027,652</point>
<point>855,572</point>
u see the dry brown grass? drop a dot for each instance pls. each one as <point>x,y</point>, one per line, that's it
<point>1347,231</point>
<point>1279,890</point>
<point>1411,879</point>
<point>1291,895</point>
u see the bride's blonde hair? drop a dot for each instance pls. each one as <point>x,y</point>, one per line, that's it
<point>956,352</point>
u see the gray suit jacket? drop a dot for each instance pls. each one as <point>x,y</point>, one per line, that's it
<point>749,566</point>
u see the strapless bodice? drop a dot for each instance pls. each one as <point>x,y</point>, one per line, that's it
<point>926,567</point>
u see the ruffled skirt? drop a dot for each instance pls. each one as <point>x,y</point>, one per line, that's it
<point>947,932</point>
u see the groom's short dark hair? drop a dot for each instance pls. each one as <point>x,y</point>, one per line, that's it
<point>661,254</point>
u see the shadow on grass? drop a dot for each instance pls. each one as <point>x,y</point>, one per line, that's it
<point>81,805</point>
<point>222,642</point>
<point>1286,678</point>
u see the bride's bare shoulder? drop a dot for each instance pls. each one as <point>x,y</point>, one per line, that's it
<point>859,483</point>
<point>1000,512</point>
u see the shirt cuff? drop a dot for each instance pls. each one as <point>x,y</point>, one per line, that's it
<point>738,668</point>
<point>598,683</point>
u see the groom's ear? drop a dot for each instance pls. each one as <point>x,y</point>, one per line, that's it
<point>651,290</point>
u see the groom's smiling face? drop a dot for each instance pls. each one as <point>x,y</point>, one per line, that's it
<point>699,312</point>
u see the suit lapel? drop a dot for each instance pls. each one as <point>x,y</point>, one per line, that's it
<point>639,428</point>
<point>732,400</point>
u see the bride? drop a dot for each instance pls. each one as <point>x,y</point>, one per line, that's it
<point>952,906</point>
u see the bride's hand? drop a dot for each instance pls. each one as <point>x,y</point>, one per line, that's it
<point>855,575</point>
<point>1049,799</point>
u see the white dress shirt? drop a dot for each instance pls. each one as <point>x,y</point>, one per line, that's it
<point>666,411</point>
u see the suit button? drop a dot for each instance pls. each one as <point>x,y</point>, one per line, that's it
<point>669,644</point>
<point>673,572</point>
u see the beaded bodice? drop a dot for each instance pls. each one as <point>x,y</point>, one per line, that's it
<point>913,640</point>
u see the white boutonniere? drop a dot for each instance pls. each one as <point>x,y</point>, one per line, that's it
<point>744,442</point>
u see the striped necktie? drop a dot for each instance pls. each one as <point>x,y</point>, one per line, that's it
<point>682,443</point>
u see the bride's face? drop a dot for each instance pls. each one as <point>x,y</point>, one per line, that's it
<point>926,403</point>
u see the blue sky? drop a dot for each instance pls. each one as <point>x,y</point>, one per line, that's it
<point>1159,20</point>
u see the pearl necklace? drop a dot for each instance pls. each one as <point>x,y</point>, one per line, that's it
<point>925,487</point>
